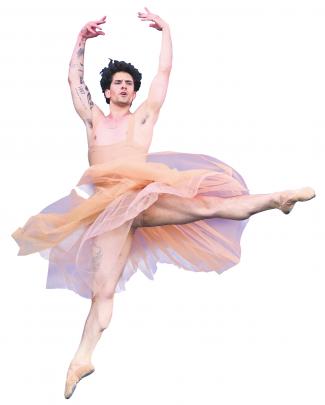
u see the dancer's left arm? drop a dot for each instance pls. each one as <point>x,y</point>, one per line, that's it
<point>159,85</point>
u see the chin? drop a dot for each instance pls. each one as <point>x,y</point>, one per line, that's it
<point>123,103</point>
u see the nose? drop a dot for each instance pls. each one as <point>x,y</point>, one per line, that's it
<point>124,85</point>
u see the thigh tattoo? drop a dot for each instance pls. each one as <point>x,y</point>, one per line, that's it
<point>97,254</point>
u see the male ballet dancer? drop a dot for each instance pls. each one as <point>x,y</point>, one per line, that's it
<point>120,82</point>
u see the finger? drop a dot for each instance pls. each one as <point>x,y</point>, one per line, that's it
<point>101,21</point>
<point>147,10</point>
<point>91,30</point>
<point>95,27</point>
<point>146,17</point>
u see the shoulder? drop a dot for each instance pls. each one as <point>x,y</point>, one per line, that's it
<point>96,115</point>
<point>144,114</point>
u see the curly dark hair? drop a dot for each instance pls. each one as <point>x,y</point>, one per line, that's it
<point>115,66</point>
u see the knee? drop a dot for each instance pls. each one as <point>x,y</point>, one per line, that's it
<point>144,219</point>
<point>103,296</point>
<point>208,206</point>
<point>103,288</point>
<point>102,306</point>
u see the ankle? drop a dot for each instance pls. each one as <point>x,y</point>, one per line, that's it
<point>275,200</point>
<point>80,361</point>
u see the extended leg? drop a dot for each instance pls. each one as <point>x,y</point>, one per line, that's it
<point>169,209</point>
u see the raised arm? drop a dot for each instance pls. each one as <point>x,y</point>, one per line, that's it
<point>159,85</point>
<point>81,96</point>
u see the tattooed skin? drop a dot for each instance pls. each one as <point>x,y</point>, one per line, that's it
<point>89,123</point>
<point>80,52</point>
<point>81,95</point>
<point>90,101</point>
<point>83,90</point>
<point>80,90</point>
<point>97,255</point>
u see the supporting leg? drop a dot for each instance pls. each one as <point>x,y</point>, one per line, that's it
<point>100,313</point>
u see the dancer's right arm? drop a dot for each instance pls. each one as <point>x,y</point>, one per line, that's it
<point>81,97</point>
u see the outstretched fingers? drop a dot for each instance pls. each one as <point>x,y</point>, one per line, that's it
<point>157,22</point>
<point>92,28</point>
<point>95,26</point>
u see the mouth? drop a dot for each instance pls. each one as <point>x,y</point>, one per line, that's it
<point>123,93</point>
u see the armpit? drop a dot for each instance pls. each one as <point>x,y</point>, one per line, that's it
<point>144,119</point>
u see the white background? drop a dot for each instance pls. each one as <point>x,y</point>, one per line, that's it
<point>247,87</point>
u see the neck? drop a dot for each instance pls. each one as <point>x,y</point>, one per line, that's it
<point>118,112</point>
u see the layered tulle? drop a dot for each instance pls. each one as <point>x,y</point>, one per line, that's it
<point>110,195</point>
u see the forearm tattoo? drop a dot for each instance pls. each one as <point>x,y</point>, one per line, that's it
<point>81,52</point>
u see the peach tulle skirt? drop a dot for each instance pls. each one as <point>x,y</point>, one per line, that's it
<point>107,199</point>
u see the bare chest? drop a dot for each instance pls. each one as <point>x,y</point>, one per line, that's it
<point>106,132</point>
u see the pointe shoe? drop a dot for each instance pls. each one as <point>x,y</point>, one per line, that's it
<point>74,376</point>
<point>290,197</point>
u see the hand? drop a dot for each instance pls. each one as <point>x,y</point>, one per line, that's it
<point>89,30</point>
<point>158,22</point>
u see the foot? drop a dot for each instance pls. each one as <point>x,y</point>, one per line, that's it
<point>76,372</point>
<point>285,200</point>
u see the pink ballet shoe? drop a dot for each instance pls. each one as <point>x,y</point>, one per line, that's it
<point>74,375</point>
<point>288,198</point>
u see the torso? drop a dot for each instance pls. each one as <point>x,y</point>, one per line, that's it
<point>104,132</point>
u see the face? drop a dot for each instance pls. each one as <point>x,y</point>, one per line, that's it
<point>121,91</point>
